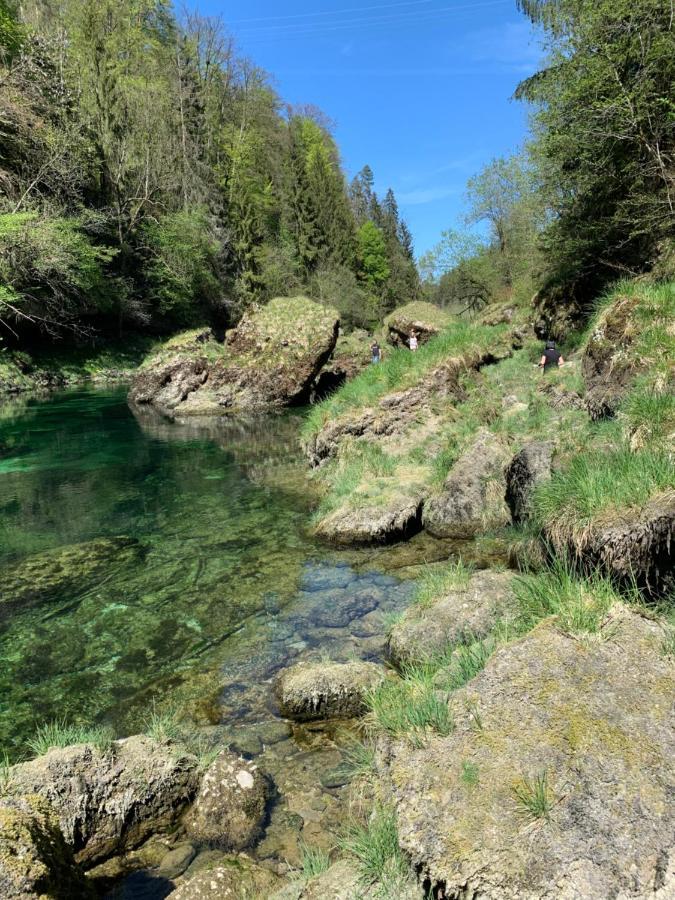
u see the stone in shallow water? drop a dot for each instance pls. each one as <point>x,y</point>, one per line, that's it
<point>176,861</point>
<point>311,691</point>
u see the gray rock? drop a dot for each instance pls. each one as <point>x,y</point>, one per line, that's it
<point>176,861</point>
<point>396,518</point>
<point>229,811</point>
<point>232,878</point>
<point>343,881</point>
<point>309,691</point>
<point>466,612</point>
<point>526,470</point>
<point>593,717</point>
<point>472,498</point>
<point>35,861</point>
<point>109,801</point>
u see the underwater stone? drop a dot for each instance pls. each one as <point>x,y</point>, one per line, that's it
<point>313,691</point>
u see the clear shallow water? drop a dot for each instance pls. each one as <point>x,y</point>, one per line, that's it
<point>143,559</point>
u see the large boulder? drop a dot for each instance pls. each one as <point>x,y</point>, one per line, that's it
<point>465,613</point>
<point>527,469</point>
<point>110,800</point>
<point>396,516</point>
<point>424,318</point>
<point>229,811</point>
<point>557,782</point>
<point>350,357</point>
<point>472,498</point>
<point>271,359</point>
<point>70,568</point>
<point>310,691</point>
<point>35,861</point>
<point>232,878</point>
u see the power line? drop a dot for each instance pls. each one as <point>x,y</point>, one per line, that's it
<point>299,29</point>
<point>332,12</point>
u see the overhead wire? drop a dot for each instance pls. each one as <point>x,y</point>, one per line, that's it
<point>331,12</point>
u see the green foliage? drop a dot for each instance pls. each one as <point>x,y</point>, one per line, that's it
<point>438,580</point>
<point>313,861</point>
<point>534,796</point>
<point>469,774</point>
<point>410,707</point>
<point>11,32</point>
<point>373,262</point>
<point>375,846</point>
<point>59,733</point>
<point>161,724</point>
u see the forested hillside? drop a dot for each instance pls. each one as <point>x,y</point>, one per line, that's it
<point>151,178</point>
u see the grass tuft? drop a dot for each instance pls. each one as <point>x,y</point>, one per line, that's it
<point>313,861</point>
<point>535,796</point>
<point>375,846</point>
<point>469,774</point>
<point>60,733</point>
<point>409,707</point>
<point>438,580</point>
<point>162,724</point>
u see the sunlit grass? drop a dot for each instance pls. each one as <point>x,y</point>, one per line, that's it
<point>60,733</point>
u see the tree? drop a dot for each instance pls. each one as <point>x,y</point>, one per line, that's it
<point>372,254</point>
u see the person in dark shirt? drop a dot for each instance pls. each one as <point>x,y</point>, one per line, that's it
<point>375,352</point>
<point>552,358</point>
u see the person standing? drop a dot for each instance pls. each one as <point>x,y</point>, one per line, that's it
<point>552,357</point>
<point>375,352</point>
<point>412,341</point>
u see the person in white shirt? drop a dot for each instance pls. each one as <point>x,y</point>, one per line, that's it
<point>412,341</point>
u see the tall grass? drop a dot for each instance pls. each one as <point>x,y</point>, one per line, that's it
<point>409,707</point>
<point>375,847</point>
<point>313,861</point>
<point>438,580</point>
<point>60,733</point>
<point>359,461</point>
<point>161,723</point>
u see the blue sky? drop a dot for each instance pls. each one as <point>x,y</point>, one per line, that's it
<point>419,90</point>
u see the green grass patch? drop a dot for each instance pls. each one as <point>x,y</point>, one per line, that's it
<point>409,707</point>
<point>469,774</point>
<point>313,861</point>
<point>436,581</point>
<point>535,796</point>
<point>161,724</point>
<point>59,733</point>
<point>374,845</point>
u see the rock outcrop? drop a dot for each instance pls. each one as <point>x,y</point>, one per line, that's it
<point>35,861</point>
<point>527,469</point>
<point>108,801</point>
<point>70,568</point>
<point>472,498</point>
<point>233,878</point>
<point>558,779</point>
<point>229,811</point>
<point>270,360</point>
<point>342,881</point>
<point>425,319</point>
<point>309,691</point>
<point>395,518</point>
<point>467,612</point>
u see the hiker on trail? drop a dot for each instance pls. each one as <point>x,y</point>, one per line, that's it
<point>552,358</point>
<point>412,342</point>
<point>375,352</point>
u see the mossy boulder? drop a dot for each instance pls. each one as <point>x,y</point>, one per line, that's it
<point>425,319</point>
<point>229,811</point>
<point>528,468</point>
<point>464,613</point>
<point>309,691</point>
<point>109,800</point>
<point>35,861</point>
<point>472,498</point>
<point>271,359</point>
<point>557,781</point>
<point>231,878</point>
<point>395,515</point>
<point>71,568</point>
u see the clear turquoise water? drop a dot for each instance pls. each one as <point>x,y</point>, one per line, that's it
<point>218,586</point>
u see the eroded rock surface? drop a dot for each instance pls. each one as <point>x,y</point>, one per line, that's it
<point>594,719</point>
<point>229,811</point>
<point>35,861</point>
<point>342,881</point>
<point>467,612</point>
<point>233,878</point>
<point>472,498</point>
<point>425,319</point>
<point>271,359</point>
<point>109,801</point>
<point>395,517</point>
<point>527,469</point>
<point>310,691</point>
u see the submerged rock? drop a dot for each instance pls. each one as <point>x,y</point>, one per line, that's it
<point>108,801</point>
<point>558,779</point>
<point>310,691</point>
<point>229,810</point>
<point>526,470</point>
<point>271,359</point>
<point>464,613</point>
<point>343,881</point>
<point>424,318</point>
<point>472,498</point>
<point>35,861</point>
<point>70,568</point>
<point>231,878</point>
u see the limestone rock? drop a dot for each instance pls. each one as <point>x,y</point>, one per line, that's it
<point>425,318</point>
<point>309,691</point>
<point>342,881</point>
<point>73,568</point>
<point>271,359</point>
<point>396,518</point>
<point>35,861</point>
<point>350,357</point>
<point>594,721</point>
<point>526,470</point>
<point>229,811</point>
<point>176,861</point>
<point>108,801</point>
<point>469,611</point>
<point>472,496</point>
<point>232,878</point>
